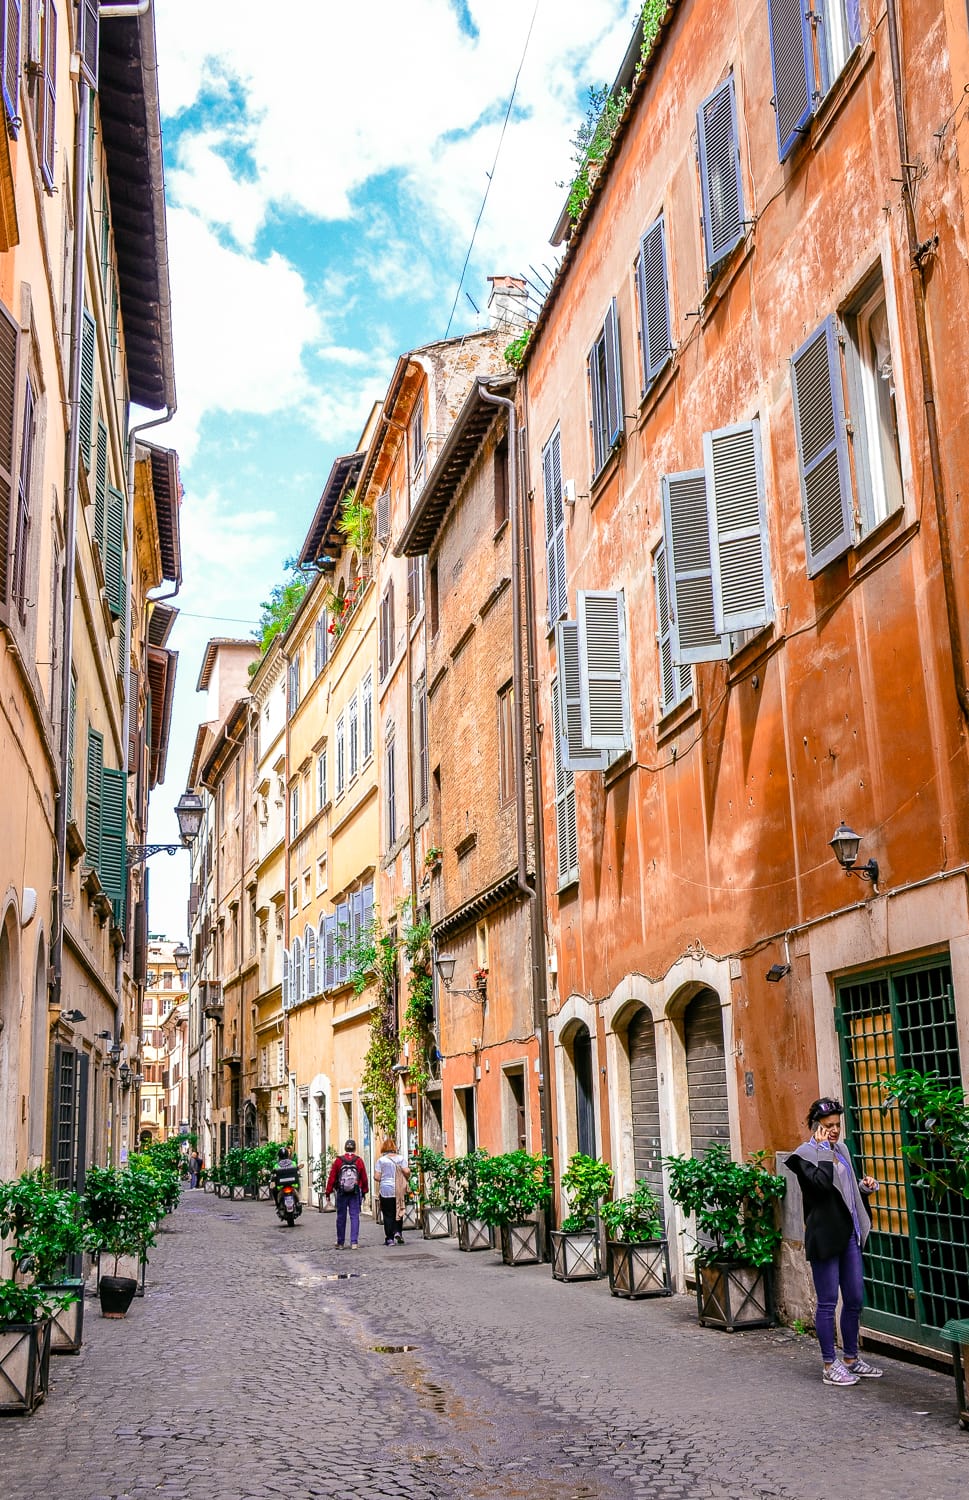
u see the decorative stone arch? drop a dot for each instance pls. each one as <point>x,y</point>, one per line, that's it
<point>39,1058</point>
<point>11,1004</point>
<point>577,1017</point>
<point>632,1003</point>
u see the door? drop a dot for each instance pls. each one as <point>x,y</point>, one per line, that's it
<point>644,1102</point>
<point>917,1256</point>
<point>706,1072</point>
<point>585,1115</point>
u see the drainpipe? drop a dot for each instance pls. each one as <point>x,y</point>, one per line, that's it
<point>918,254</point>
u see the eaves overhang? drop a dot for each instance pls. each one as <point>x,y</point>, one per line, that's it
<point>167,490</point>
<point>496,895</point>
<point>130,119</point>
<point>212,651</point>
<point>321,533</point>
<point>226,741</point>
<point>160,622</point>
<point>162,667</point>
<point>451,466</point>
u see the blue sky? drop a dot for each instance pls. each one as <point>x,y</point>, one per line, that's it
<point>323,183</point>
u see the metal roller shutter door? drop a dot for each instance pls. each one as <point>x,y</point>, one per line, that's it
<point>644,1092</point>
<point>706,1072</point>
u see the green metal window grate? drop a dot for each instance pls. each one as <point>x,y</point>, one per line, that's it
<point>917,1259</point>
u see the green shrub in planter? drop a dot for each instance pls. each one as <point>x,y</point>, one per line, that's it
<point>634,1219</point>
<point>20,1304</point>
<point>25,1333</point>
<point>586,1181</point>
<point>45,1224</point>
<point>637,1255</point>
<point>463,1186</point>
<point>509,1189</point>
<point>120,1209</point>
<point>436,1171</point>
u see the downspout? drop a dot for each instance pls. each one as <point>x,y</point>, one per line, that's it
<point>918,253</point>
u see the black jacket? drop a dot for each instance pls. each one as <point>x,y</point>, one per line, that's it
<point>828,1225</point>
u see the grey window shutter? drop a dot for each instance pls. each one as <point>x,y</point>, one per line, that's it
<point>676,679</point>
<point>565,822</point>
<point>9,342</point>
<point>94,774</point>
<point>603,669</point>
<point>614,401</point>
<point>71,740</point>
<point>792,62</point>
<point>686,529</point>
<point>309,962</point>
<point>296,973</point>
<point>597,397</point>
<point>720,180</point>
<point>822,447</point>
<point>286,980</point>
<point>575,756</point>
<point>11,61</point>
<point>742,594</point>
<point>554,528</point>
<point>21,546</point>
<point>383,515</point>
<point>85,413</point>
<point>88,39</point>
<point>654,301</point>
<point>366,916</point>
<point>114,550</point>
<point>48,96</point>
<point>329,951</point>
<point>344,938</point>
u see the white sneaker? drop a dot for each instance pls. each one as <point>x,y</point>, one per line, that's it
<point>838,1374</point>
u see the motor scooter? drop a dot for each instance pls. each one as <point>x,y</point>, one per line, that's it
<point>288,1206</point>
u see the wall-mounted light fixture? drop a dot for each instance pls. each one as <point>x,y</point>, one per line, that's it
<point>445,965</point>
<point>845,845</point>
<point>777,972</point>
<point>73,1016</point>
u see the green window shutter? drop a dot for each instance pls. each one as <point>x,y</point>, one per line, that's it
<point>85,411</point>
<point>71,739</point>
<point>101,487</point>
<point>92,812</point>
<point>114,549</point>
<point>122,628</point>
<point>114,820</point>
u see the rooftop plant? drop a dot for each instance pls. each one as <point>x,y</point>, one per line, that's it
<point>356,523</point>
<point>278,610</point>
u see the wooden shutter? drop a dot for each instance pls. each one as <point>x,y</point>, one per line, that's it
<point>742,594</point>
<point>92,812</point>
<point>11,61</point>
<point>366,714</point>
<point>9,343</point>
<point>287,983</point>
<point>101,487</point>
<point>85,410</point>
<point>689,569</point>
<point>366,909</point>
<point>344,937</point>
<point>822,447</point>
<point>603,669</point>
<point>554,528</point>
<point>792,62</point>
<point>676,678</point>
<point>614,401</point>
<point>71,739</point>
<point>309,962</point>
<point>114,822</point>
<point>565,823</point>
<point>390,756</point>
<point>21,545</point>
<point>421,785</point>
<point>654,302</point>
<point>353,735</point>
<point>114,550</point>
<point>296,973</point>
<point>48,95</point>
<point>329,952</point>
<point>575,755</point>
<point>383,515</point>
<point>88,39</point>
<point>720,180</point>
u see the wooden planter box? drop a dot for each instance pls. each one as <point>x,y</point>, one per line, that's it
<point>209,1187</point>
<point>67,1325</point>
<point>520,1244</point>
<point>221,1190</point>
<point>957,1332</point>
<point>411,1216</point>
<point>237,1192</point>
<point>575,1255</point>
<point>639,1268</point>
<point>474,1234</point>
<point>437,1223</point>
<point>733,1296</point>
<point>24,1365</point>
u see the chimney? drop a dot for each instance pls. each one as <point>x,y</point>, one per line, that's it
<point>508,303</point>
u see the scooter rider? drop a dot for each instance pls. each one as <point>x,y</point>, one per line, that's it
<point>286,1171</point>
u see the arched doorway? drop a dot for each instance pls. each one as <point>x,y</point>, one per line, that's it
<point>37,1122</point>
<point>644,1102</point>
<point>9,1016</point>
<point>706,1072</point>
<point>585,1113</point>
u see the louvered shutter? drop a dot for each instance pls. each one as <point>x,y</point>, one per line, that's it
<point>603,669</point>
<point>565,824</point>
<point>344,937</point>
<point>689,569</point>
<point>822,447</point>
<point>742,595</point>
<point>614,402</point>
<point>101,487</point>
<point>21,546</point>
<point>676,679</point>
<point>286,980</point>
<point>383,516</point>
<point>85,410</point>
<point>554,528</point>
<point>48,95</point>
<point>792,62</point>
<point>71,740</point>
<point>11,60</point>
<point>366,909</point>
<point>654,302</point>
<point>114,819</point>
<point>9,340</point>
<point>309,963</point>
<point>720,181</point>
<point>123,663</point>
<point>114,549</point>
<point>92,811</point>
<point>88,39</point>
<point>296,973</point>
<point>329,952</point>
<point>575,755</point>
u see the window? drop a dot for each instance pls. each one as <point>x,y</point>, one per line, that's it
<point>415,586</point>
<point>280,1059</point>
<point>294,685</point>
<point>501,483</point>
<point>148,1008</point>
<point>721,187</point>
<point>321,781</point>
<point>321,875</point>
<point>823,404</point>
<point>654,302</point>
<point>320,642</point>
<point>46,97</point>
<point>554,528</point>
<point>21,546</point>
<point>307,886</point>
<point>9,340</point>
<point>293,899</point>
<point>294,812</point>
<point>85,411</point>
<point>264,1066</point>
<point>383,516</point>
<point>87,42</point>
<point>717,553</point>
<point>565,825</point>
<point>675,681</point>
<point>604,707</point>
<point>433,600</point>
<point>10,21</point>
<point>105,822</point>
<point>417,444</point>
<point>386,630</point>
<point>353,735</point>
<point>366,716</point>
<point>605,387</point>
<point>506,744</point>
<point>420,745</point>
<point>390,787</point>
<point>804,70</point>
<point>340,757</point>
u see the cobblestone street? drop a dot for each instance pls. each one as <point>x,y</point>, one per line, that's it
<point>263,1362</point>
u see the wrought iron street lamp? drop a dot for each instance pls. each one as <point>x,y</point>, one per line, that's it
<point>189,810</point>
<point>181,957</point>
<point>845,845</point>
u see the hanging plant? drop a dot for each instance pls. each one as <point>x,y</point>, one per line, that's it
<point>356,523</point>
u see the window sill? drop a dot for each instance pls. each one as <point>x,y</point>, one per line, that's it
<point>724,276</point>
<point>883,537</point>
<point>676,719</point>
<point>758,648</point>
<point>661,384</point>
<point>570,886</point>
<point>600,481</point>
<point>618,769</point>
<point>839,93</point>
<point>500,529</point>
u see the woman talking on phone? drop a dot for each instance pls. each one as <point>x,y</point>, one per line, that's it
<point>836,1226</point>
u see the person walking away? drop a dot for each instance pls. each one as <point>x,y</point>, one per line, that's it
<point>348,1178</point>
<point>392,1174</point>
<point>836,1226</point>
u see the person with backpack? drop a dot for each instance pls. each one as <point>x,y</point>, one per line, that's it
<point>348,1177</point>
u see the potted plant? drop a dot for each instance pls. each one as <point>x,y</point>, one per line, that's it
<point>474,1231</point>
<point>320,1168</point>
<point>510,1188</point>
<point>435,1175</point>
<point>637,1254</point>
<point>575,1247</point>
<point>433,857</point>
<point>119,1223</point>
<point>737,1236</point>
<point>25,1335</point>
<point>45,1224</point>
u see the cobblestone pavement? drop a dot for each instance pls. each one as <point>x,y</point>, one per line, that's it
<point>263,1362</point>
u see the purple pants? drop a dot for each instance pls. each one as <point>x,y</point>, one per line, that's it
<point>346,1201</point>
<point>844,1271</point>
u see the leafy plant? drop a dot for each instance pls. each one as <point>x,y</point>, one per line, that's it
<point>651,17</point>
<point>937,1121</point>
<point>733,1204</point>
<point>278,610</point>
<point>356,522</point>
<point>515,351</point>
<point>433,856</point>
<point>586,1181</point>
<point>635,1218</point>
<point>512,1186</point>
<point>436,1171</point>
<point>119,1213</point>
<point>320,1167</point>
<point>26,1304</point>
<point>44,1222</point>
<point>591,143</point>
<point>379,1083</point>
<point>464,1184</point>
<point>419,1010</point>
